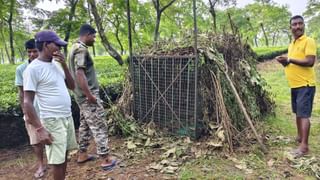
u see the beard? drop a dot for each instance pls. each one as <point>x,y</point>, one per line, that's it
<point>90,43</point>
<point>298,32</point>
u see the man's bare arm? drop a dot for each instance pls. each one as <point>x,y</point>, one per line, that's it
<point>307,62</point>
<point>33,119</point>
<point>83,83</point>
<point>20,89</point>
<point>31,115</point>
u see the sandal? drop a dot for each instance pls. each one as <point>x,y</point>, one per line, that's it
<point>297,153</point>
<point>90,158</point>
<point>109,166</point>
<point>39,173</point>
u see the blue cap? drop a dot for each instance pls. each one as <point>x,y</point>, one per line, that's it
<point>49,36</point>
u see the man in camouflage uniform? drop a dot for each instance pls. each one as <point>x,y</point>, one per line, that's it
<point>87,96</point>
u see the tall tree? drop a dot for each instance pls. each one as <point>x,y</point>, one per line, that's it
<point>115,19</point>
<point>101,31</point>
<point>264,34</point>
<point>73,5</point>
<point>159,11</point>
<point>9,21</point>
<point>312,13</point>
<point>212,9</point>
<point>269,21</point>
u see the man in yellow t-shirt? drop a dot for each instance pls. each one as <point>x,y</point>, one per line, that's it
<point>301,77</point>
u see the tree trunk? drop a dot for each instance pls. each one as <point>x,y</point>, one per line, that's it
<point>103,37</point>
<point>159,11</point>
<point>156,29</point>
<point>119,42</point>
<point>233,28</point>
<point>265,34</point>
<point>22,54</point>
<point>116,25</point>
<point>91,20</point>
<point>2,57</point>
<point>12,2</point>
<point>5,45</point>
<point>73,4</point>
<point>213,14</point>
<point>117,35</point>
<point>289,37</point>
<point>256,41</point>
<point>274,39</point>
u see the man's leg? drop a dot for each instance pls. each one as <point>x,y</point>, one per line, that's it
<point>65,165</point>
<point>305,129</point>
<point>84,138</point>
<point>95,119</point>
<point>38,149</point>
<point>304,110</point>
<point>299,133</point>
<point>59,171</point>
<point>294,96</point>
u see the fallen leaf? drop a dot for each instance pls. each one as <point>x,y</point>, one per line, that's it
<point>164,162</point>
<point>215,144</point>
<point>241,166</point>
<point>270,162</point>
<point>170,153</point>
<point>156,166</point>
<point>213,125</point>
<point>148,142</point>
<point>131,145</point>
<point>187,140</point>
<point>220,135</point>
<point>169,170</point>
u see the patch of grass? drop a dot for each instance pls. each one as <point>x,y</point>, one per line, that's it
<point>21,160</point>
<point>210,168</point>
<point>278,84</point>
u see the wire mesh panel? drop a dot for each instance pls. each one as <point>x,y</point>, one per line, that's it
<point>164,92</point>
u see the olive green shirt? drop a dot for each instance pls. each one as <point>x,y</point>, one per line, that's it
<point>79,57</point>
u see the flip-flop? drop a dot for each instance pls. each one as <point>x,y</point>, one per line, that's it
<point>109,166</point>
<point>90,158</point>
<point>39,174</point>
<point>297,153</point>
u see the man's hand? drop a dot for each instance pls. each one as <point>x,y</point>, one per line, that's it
<point>59,57</point>
<point>44,136</point>
<point>92,99</point>
<point>283,60</point>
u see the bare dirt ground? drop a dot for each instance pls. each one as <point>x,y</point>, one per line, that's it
<point>19,164</point>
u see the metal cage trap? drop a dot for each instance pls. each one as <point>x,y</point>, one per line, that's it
<point>165,89</point>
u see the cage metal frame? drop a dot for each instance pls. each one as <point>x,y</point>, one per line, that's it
<point>162,94</point>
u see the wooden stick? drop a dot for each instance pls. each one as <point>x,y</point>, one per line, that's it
<point>245,113</point>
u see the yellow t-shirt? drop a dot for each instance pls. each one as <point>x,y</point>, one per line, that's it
<point>299,76</point>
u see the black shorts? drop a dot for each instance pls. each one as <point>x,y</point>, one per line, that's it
<point>302,100</point>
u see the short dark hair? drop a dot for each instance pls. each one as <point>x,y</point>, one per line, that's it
<point>30,44</point>
<point>86,29</point>
<point>296,17</point>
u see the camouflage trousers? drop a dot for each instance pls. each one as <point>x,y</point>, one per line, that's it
<point>92,122</point>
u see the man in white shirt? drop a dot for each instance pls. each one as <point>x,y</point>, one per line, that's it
<point>49,79</point>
